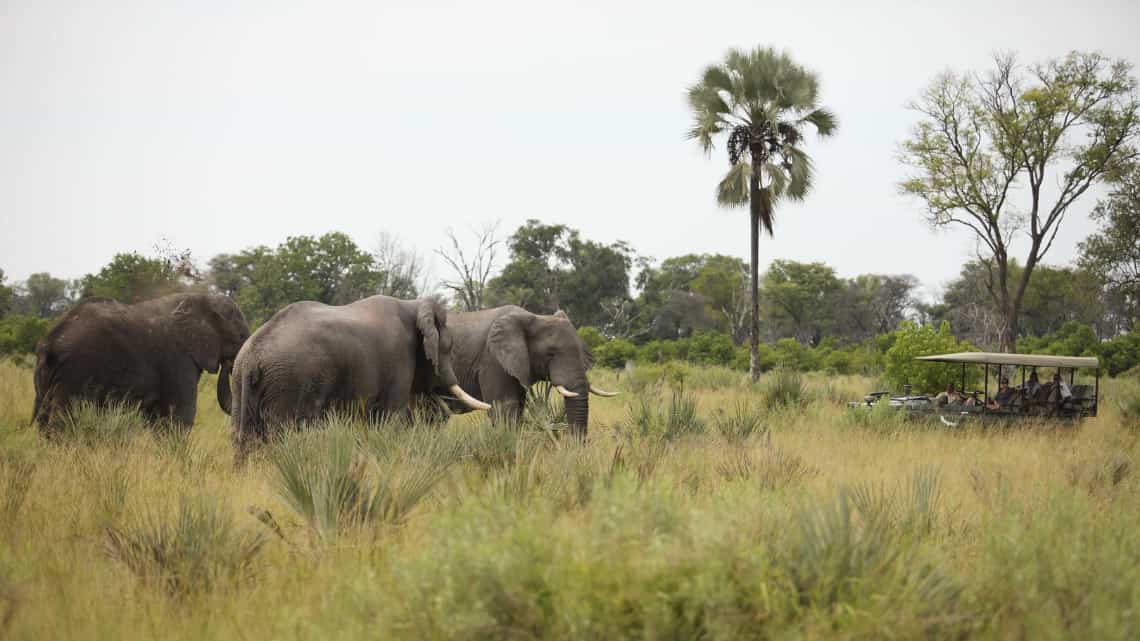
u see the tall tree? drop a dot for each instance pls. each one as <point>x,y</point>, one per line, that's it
<point>44,295</point>
<point>988,149</point>
<point>1113,252</point>
<point>764,102</point>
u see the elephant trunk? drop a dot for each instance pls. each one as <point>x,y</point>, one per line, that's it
<point>225,398</point>
<point>578,414</point>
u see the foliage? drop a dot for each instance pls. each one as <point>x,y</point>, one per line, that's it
<point>43,295</point>
<point>1121,353</point>
<point>19,334</point>
<point>551,268</point>
<point>800,298</point>
<point>5,295</point>
<point>1113,252</point>
<point>913,340</point>
<point>330,269</point>
<point>614,353</point>
<point>591,337</point>
<point>783,387</point>
<point>1076,118</point>
<point>1054,296</point>
<point>130,278</point>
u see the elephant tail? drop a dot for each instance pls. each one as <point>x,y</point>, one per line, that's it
<point>248,426</point>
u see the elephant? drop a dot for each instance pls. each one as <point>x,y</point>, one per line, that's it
<point>500,352</point>
<point>151,353</point>
<point>379,354</point>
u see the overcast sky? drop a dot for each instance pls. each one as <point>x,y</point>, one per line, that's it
<point>222,125</point>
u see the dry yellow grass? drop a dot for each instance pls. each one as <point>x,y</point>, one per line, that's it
<point>815,526</point>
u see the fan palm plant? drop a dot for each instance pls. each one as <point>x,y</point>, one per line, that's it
<point>763,102</point>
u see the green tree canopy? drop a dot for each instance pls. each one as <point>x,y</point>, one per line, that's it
<point>330,269</point>
<point>130,278</point>
<point>551,268</point>
<point>44,295</point>
<point>800,299</point>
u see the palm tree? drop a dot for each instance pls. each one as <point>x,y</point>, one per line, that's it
<point>763,102</point>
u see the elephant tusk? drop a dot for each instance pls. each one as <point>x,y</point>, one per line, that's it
<point>467,399</point>
<point>565,392</point>
<point>601,392</point>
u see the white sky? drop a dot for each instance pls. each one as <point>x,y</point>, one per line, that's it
<point>221,125</point>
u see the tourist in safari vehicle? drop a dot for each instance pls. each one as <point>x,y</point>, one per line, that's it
<point>1029,398</point>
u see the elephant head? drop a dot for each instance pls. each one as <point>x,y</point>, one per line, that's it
<point>531,348</point>
<point>436,339</point>
<point>211,329</point>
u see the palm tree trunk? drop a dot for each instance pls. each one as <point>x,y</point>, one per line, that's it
<point>754,329</point>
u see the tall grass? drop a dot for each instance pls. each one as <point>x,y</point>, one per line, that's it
<point>697,508</point>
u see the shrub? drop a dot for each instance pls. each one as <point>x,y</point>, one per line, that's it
<point>19,334</point>
<point>1122,353</point>
<point>615,353</point>
<point>334,483</point>
<point>743,422</point>
<point>711,348</point>
<point>913,340</point>
<point>783,388</point>
<point>201,549</point>
<point>591,336</point>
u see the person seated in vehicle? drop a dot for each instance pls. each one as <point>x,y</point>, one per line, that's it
<point>1060,391</point>
<point>1033,385</point>
<point>950,396</point>
<point>1004,397</point>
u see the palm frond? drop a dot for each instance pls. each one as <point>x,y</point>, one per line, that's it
<point>823,120</point>
<point>732,191</point>
<point>800,174</point>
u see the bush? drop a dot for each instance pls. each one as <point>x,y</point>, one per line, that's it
<point>615,353</point>
<point>1122,353</point>
<point>591,337</point>
<point>711,348</point>
<point>783,388</point>
<point>19,334</point>
<point>913,340</point>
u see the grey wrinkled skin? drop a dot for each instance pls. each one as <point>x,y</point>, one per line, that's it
<point>377,354</point>
<point>151,353</point>
<point>499,353</point>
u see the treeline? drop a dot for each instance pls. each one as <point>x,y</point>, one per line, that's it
<point>629,307</point>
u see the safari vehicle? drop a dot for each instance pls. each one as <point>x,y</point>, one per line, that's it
<point>1064,399</point>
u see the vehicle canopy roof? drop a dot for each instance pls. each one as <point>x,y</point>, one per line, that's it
<point>998,358</point>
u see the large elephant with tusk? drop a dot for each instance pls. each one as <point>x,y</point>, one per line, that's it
<point>499,353</point>
<point>378,354</point>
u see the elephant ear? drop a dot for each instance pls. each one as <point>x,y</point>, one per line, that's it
<point>507,343</point>
<point>197,334</point>
<point>587,357</point>
<point>429,318</point>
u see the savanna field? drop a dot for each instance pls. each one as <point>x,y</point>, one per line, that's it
<point>701,507</point>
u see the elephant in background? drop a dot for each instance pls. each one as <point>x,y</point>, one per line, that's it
<point>499,353</point>
<point>150,353</point>
<point>377,354</point>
